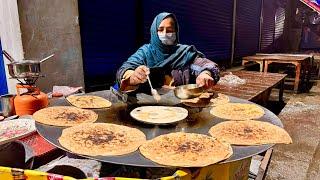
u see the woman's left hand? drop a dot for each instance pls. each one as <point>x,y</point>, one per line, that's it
<point>205,80</point>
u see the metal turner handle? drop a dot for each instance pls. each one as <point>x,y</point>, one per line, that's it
<point>46,58</point>
<point>154,92</point>
<point>149,82</point>
<point>7,55</point>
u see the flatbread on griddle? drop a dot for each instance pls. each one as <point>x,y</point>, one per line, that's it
<point>249,132</point>
<point>185,150</point>
<point>237,111</point>
<point>159,114</point>
<point>88,101</point>
<point>105,139</point>
<point>64,116</point>
<point>219,100</point>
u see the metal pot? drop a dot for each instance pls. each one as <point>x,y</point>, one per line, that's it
<point>24,69</point>
<point>7,105</point>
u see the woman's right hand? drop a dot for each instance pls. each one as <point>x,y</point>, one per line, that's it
<point>139,75</point>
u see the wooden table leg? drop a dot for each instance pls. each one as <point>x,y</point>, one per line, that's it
<point>266,64</point>
<point>281,88</point>
<point>309,67</point>
<point>261,65</point>
<point>244,62</point>
<point>297,78</point>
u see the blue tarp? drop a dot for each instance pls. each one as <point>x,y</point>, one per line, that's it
<point>3,80</point>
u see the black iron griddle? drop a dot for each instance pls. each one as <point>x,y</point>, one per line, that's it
<point>198,121</point>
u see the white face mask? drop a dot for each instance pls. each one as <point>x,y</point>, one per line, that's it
<point>167,38</point>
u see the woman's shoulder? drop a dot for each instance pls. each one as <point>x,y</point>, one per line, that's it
<point>145,46</point>
<point>186,46</point>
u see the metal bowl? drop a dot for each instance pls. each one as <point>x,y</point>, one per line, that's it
<point>188,91</point>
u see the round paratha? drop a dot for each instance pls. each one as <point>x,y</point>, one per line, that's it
<point>105,139</point>
<point>237,111</point>
<point>159,114</point>
<point>249,132</point>
<point>64,116</point>
<point>221,99</point>
<point>185,150</point>
<point>88,101</point>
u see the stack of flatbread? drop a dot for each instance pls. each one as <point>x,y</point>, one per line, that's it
<point>249,132</point>
<point>88,101</point>
<point>237,111</point>
<point>103,139</point>
<point>64,116</point>
<point>205,100</point>
<point>185,150</point>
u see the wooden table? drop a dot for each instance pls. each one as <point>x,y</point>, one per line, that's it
<point>257,88</point>
<point>300,61</point>
<point>258,59</point>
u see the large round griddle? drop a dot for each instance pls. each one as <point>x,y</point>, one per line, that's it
<point>198,121</point>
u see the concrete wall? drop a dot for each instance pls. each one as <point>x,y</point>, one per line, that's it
<point>52,26</point>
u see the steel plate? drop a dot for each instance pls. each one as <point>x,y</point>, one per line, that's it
<point>199,120</point>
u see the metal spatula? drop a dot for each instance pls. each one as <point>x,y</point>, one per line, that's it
<point>154,92</point>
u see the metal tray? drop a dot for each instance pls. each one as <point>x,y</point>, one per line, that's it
<point>199,120</point>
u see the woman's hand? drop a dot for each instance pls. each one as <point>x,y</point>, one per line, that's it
<point>205,80</point>
<point>139,75</point>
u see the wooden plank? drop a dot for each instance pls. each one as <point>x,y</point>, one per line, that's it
<point>264,164</point>
<point>254,57</point>
<point>285,57</point>
<point>285,54</point>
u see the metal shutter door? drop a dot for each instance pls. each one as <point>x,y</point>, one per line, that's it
<point>247,27</point>
<point>108,37</point>
<point>203,23</point>
<point>279,28</point>
<point>279,22</point>
<point>268,26</point>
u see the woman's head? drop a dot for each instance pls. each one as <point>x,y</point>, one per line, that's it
<point>164,30</point>
<point>167,25</point>
<point>167,31</point>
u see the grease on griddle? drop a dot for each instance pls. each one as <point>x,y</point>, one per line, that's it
<point>72,116</point>
<point>190,146</point>
<point>98,137</point>
<point>247,130</point>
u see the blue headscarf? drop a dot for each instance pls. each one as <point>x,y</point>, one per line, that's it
<point>158,55</point>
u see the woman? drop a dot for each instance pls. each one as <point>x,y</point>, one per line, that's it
<point>166,61</point>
